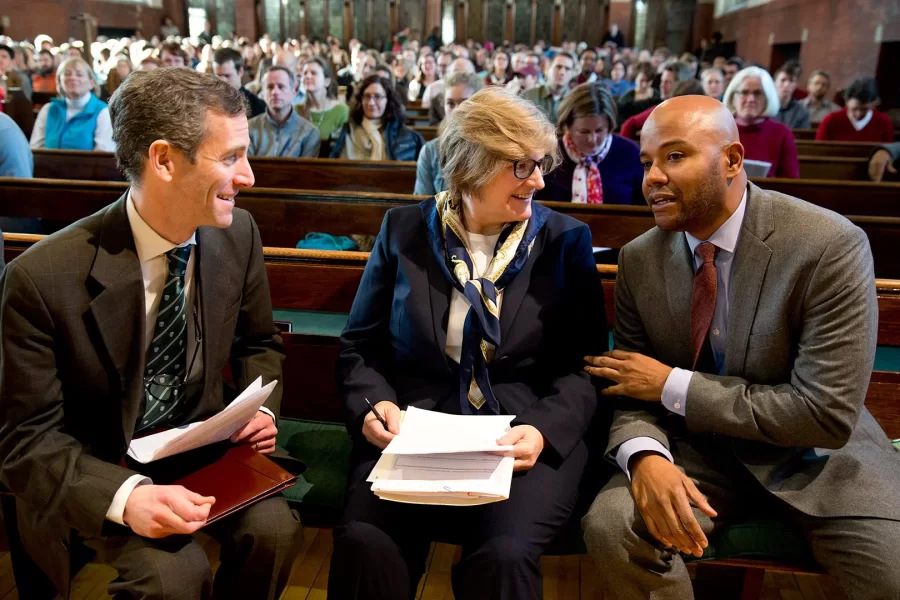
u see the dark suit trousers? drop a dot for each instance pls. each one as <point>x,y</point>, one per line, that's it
<point>861,553</point>
<point>259,545</point>
<point>381,546</point>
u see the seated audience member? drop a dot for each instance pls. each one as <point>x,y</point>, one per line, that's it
<point>149,63</point>
<point>77,121</point>
<point>532,276</point>
<point>548,96</point>
<point>171,54</point>
<point>427,74</point>
<point>860,121</point>
<point>752,99</point>
<point>884,160</point>
<point>790,111</point>
<point>731,68</point>
<point>291,62</point>
<point>377,127</point>
<point>14,79</point>
<point>631,129</point>
<point>364,67</point>
<point>433,98</point>
<point>429,177</point>
<point>598,167</point>
<point>732,404</point>
<point>586,62</point>
<point>322,108</point>
<point>817,103</point>
<point>168,28</point>
<point>280,131</point>
<point>80,314</point>
<point>642,97</point>
<point>16,159</point>
<point>117,75</point>
<point>501,70</point>
<point>617,83</point>
<point>44,78</point>
<point>402,77</point>
<point>228,65</point>
<point>713,81</point>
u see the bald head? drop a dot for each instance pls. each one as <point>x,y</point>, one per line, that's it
<point>694,115</point>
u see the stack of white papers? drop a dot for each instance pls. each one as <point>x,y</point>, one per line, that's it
<point>445,459</point>
<point>217,428</point>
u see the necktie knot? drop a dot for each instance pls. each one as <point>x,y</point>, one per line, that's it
<point>707,252</point>
<point>178,259</point>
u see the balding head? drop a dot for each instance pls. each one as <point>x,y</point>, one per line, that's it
<point>693,164</point>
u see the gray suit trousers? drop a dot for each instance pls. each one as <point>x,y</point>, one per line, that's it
<point>862,553</point>
<point>259,545</point>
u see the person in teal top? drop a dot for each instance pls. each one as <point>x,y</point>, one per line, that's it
<point>77,121</point>
<point>322,108</point>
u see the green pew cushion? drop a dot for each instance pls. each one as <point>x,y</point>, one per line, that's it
<point>325,448</point>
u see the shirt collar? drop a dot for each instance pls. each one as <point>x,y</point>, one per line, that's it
<point>726,236</point>
<point>278,125</point>
<point>861,124</point>
<point>148,243</point>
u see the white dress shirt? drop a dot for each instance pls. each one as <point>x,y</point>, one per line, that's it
<point>103,141</point>
<point>481,250</point>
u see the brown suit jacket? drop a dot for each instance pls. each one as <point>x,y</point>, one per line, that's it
<point>72,365</point>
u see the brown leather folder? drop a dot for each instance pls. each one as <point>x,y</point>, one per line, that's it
<point>241,477</point>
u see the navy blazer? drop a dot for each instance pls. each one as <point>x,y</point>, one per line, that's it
<point>393,347</point>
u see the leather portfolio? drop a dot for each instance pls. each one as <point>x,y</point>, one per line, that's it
<point>241,477</point>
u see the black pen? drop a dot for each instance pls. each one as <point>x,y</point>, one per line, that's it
<point>377,416</point>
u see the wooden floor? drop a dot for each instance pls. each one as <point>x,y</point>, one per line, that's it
<point>565,577</point>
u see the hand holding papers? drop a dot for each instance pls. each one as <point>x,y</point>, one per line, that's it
<point>217,428</point>
<point>445,459</point>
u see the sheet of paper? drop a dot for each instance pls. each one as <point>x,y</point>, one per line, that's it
<point>217,428</point>
<point>429,432</point>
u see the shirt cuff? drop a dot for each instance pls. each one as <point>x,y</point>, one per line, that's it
<point>116,510</point>
<point>675,390</point>
<point>639,444</point>
<point>270,413</point>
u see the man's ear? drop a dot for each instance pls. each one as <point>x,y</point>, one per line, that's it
<point>161,161</point>
<point>734,160</point>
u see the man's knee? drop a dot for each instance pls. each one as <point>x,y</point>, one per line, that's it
<point>271,524</point>
<point>361,539</point>
<point>610,522</point>
<point>154,573</point>
<point>508,553</point>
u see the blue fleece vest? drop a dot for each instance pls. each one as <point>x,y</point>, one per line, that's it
<point>78,132</point>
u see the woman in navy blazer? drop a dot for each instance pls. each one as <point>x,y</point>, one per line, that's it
<point>477,301</point>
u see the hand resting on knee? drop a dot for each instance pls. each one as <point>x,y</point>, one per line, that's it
<point>157,511</point>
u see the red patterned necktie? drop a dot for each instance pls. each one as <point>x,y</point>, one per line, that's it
<point>703,301</point>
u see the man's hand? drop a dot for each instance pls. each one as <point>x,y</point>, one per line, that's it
<point>527,443</point>
<point>637,376</point>
<point>156,511</point>
<point>663,494</point>
<point>880,162</point>
<point>260,432</point>
<point>374,431</point>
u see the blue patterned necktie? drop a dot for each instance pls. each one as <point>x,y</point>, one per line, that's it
<point>167,354</point>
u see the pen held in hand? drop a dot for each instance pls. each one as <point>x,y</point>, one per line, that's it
<point>377,416</point>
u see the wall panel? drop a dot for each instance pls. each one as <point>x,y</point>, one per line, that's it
<point>571,20</point>
<point>495,21</point>
<point>544,20</point>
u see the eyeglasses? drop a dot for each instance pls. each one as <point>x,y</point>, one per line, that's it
<point>164,388</point>
<point>754,93</point>
<point>375,97</point>
<point>524,167</point>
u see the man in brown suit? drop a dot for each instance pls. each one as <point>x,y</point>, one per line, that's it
<point>122,323</point>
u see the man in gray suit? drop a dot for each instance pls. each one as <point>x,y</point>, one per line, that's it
<point>745,337</point>
<point>121,324</point>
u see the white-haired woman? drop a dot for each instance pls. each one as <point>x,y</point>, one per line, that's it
<point>753,100</point>
<point>77,121</point>
<point>478,301</point>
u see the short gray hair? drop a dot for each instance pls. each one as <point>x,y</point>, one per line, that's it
<point>166,104</point>
<point>768,86</point>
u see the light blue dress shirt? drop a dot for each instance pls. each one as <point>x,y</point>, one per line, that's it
<point>675,390</point>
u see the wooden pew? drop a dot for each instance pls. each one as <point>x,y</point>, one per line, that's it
<point>429,132</point>
<point>810,134</point>
<point>286,216</point>
<point>846,149</point>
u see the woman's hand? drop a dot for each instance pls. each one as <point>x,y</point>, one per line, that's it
<point>527,444</point>
<point>374,431</point>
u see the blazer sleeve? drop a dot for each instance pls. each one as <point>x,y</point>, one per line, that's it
<point>366,339</point>
<point>565,413</point>
<point>39,462</point>
<point>257,349</point>
<point>632,418</point>
<point>821,402</point>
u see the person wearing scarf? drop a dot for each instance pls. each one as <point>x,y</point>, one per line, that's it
<point>598,167</point>
<point>478,301</point>
<point>752,99</point>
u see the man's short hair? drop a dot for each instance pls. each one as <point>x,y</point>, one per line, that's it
<point>791,68</point>
<point>175,49</point>
<point>470,80</point>
<point>688,87</point>
<point>824,74</point>
<point>10,51</point>
<point>864,89</point>
<point>170,105</point>
<point>568,55</point>
<point>681,71</point>
<point>226,55</point>
<point>735,61</point>
<point>290,75</point>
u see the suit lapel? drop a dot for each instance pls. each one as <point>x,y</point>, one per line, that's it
<point>212,287</point>
<point>679,289</point>
<point>118,309</point>
<point>517,288</point>
<point>751,260</point>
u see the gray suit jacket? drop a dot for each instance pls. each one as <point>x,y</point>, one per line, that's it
<point>72,365</point>
<point>802,328</point>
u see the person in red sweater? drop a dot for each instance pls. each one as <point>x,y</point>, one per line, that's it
<point>631,128</point>
<point>752,99</point>
<point>859,121</point>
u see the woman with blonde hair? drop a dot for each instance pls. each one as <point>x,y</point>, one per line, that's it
<point>78,120</point>
<point>478,301</point>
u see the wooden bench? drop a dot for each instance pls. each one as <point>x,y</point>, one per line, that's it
<point>428,132</point>
<point>286,216</point>
<point>846,149</point>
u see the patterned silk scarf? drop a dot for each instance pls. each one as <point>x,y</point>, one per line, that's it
<point>481,332</point>
<point>586,184</point>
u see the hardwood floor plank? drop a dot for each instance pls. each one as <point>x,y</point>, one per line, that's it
<point>421,587</point>
<point>319,589</point>
<point>308,565</point>
<point>589,580</point>
<point>7,579</point>
<point>787,594</point>
<point>810,585</point>
<point>831,588</point>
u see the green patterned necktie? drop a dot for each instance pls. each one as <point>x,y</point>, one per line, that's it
<point>167,354</point>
